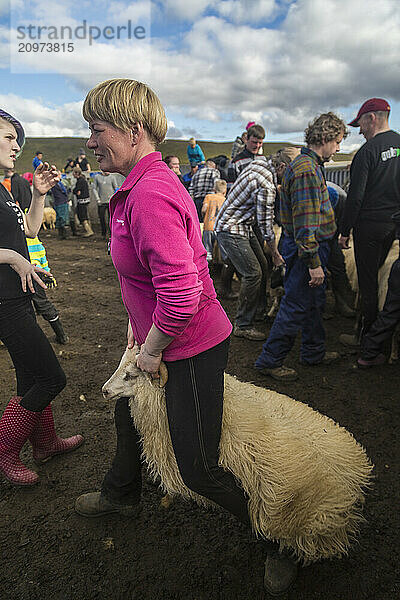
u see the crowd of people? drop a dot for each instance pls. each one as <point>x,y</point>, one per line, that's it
<point>261,215</point>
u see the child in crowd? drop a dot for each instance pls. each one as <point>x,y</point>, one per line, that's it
<point>211,206</point>
<point>42,304</point>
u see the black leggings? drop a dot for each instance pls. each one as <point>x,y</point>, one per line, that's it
<point>39,374</point>
<point>194,397</point>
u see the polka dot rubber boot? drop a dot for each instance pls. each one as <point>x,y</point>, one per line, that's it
<point>16,425</point>
<point>46,443</point>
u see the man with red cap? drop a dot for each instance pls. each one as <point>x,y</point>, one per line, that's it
<point>373,197</point>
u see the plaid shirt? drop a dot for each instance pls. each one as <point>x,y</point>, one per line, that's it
<point>250,200</point>
<point>306,212</point>
<point>203,182</point>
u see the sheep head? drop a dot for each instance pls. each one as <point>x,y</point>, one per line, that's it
<point>121,382</point>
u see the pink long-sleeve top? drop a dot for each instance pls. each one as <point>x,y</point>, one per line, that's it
<point>161,262</point>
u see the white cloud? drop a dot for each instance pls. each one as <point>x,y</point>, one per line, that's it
<point>40,119</point>
<point>325,55</point>
<point>183,10</point>
<point>4,7</point>
<point>247,11</point>
<point>138,11</point>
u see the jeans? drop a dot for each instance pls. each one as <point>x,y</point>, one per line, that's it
<point>372,242</point>
<point>194,399</point>
<point>62,215</point>
<point>300,310</point>
<point>250,262</point>
<point>39,374</point>
<point>208,239</point>
<point>385,324</point>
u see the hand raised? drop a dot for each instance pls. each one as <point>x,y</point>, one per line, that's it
<point>44,178</point>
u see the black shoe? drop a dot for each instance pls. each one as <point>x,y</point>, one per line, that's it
<point>280,573</point>
<point>96,505</point>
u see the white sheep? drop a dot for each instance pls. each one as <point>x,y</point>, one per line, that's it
<point>49,218</point>
<point>383,277</point>
<point>304,474</point>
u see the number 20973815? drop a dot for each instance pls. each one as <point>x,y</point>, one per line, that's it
<point>45,47</point>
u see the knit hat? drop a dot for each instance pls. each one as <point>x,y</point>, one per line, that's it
<point>250,124</point>
<point>18,127</point>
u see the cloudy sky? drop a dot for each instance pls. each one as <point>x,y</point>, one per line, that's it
<point>215,65</point>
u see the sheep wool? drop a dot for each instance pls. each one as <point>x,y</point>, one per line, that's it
<point>305,476</point>
<point>383,273</point>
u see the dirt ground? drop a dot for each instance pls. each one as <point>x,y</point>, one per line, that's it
<point>182,553</point>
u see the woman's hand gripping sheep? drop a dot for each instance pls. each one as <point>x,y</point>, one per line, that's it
<point>150,355</point>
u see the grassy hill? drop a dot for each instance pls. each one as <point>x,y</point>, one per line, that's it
<point>57,150</point>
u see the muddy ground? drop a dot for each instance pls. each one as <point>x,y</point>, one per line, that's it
<point>184,553</point>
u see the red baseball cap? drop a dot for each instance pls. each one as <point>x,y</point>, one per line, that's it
<point>371,105</point>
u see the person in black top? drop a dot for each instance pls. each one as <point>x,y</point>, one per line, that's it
<point>20,189</point>
<point>81,191</point>
<point>40,377</point>
<point>69,165</point>
<point>81,161</point>
<point>373,197</point>
<point>255,138</point>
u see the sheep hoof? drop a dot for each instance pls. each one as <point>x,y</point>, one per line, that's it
<point>280,573</point>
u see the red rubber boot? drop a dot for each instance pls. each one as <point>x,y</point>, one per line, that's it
<point>46,443</point>
<point>16,425</point>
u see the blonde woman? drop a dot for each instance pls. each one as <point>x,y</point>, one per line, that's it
<point>173,311</point>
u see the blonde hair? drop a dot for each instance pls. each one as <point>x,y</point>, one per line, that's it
<point>220,186</point>
<point>124,102</point>
<point>76,171</point>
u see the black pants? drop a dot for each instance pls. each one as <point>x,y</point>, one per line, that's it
<point>42,304</point>
<point>385,324</point>
<point>102,209</point>
<point>194,397</point>
<point>372,242</point>
<point>39,374</point>
<point>336,266</point>
<point>82,212</point>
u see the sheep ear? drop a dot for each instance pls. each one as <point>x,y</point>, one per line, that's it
<point>163,375</point>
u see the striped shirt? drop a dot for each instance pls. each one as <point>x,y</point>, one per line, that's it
<point>306,212</point>
<point>203,182</point>
<point>250,200</point>
<point>37,253</point>
<point>240,162</point>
